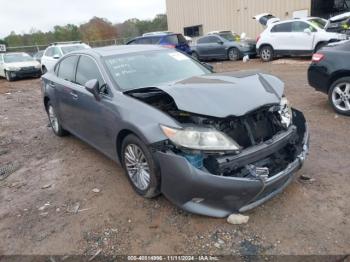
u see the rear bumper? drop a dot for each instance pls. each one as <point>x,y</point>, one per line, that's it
<point>200,192</point>
<point>318,78</point>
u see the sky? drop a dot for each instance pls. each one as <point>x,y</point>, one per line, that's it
<point>22,15</point>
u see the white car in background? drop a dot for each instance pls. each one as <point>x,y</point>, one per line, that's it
<point>18,65</point>
<point>56,51</point>
<point>295,37</point>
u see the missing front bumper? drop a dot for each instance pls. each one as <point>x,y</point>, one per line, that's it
<point>203,193</point>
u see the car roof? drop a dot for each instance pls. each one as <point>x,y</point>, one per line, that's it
<point>119,50</point>
<point>305,19</point>
<point>150,36</point>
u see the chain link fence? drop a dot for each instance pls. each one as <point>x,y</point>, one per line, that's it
<point>32,49</point>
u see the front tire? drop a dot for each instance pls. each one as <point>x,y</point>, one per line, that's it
<point>233,54</point>
<point>55,122</point>
<point>140,167</point>
<point>266,53</point>
<point>339,96</point>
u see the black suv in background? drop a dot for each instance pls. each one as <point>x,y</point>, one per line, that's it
<point>330,73</point>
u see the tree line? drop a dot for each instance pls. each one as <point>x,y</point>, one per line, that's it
<point>94,30</point>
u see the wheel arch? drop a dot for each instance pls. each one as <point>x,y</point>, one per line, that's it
<point>337,75</point>
<point>265,44</point>
<point>119,141</point>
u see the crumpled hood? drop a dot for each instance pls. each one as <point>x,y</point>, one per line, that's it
<point>227,94</point>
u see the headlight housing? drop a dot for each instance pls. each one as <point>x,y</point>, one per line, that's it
<point>12,68</point>
<point>285,112</point>
<point>205,139</point>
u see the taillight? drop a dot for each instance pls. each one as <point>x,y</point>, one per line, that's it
<point>170,46</point>
<point>258,38</point>
<point>317,57</point>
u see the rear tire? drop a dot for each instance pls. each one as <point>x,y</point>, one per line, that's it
<point>233,54</point>
<point>54,121</point>
<point>266,53</point>
<point>140,167</point>
<point>339,96</point>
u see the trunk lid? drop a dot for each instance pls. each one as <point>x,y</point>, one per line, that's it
<point>266,19</point>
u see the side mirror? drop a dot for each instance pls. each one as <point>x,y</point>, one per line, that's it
<point>93,87</point>
<point>56,57</point>
<point>307,31</point>
<point>208,66</point>
<point>220,42</point>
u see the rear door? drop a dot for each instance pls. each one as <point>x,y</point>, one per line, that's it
<point>280,37</point>
<point>209,47</point>
<point>65,92</point>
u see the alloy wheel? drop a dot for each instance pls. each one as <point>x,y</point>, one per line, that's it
<point>137,166</point>
<point>341,96</point>
<point>53,119</point>
<point>266,54</point>
<point>233,54</point>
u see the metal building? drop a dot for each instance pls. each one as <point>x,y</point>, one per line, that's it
<point>197,17</point>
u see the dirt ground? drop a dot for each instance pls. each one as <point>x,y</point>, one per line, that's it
<point>48,206</point>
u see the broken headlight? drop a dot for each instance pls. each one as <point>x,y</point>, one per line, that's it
<point>285,112</point>
<point>200,139</point>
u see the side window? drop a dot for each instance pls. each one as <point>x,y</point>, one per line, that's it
<point>155,40</point>
<point>172,39</point>
<point>49,52</point>
<point>56,51</point>
<point>144,41</point>
<point>66,69</point>
<point>282,28</point>
<point>300,26</point>
<point>203,40</point>
<point>213,39</point>
<point>87,70</point>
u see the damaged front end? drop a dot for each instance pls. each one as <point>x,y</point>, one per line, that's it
<point>268,145</point>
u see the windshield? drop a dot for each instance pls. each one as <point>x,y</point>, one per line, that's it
<point>318,22</point>
<point>230,37</point>
<point>149,69</point>
<point>71,48</point>
<point>15,58</point>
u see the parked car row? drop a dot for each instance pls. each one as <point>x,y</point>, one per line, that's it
<point>17,65</point>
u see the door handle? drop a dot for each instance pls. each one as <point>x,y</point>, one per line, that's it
<point>52,84</point>
<point>74,95</point>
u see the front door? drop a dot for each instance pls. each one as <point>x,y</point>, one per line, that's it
<point>94,121</point>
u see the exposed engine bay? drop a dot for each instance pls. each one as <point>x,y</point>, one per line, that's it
<point>254,132</point>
